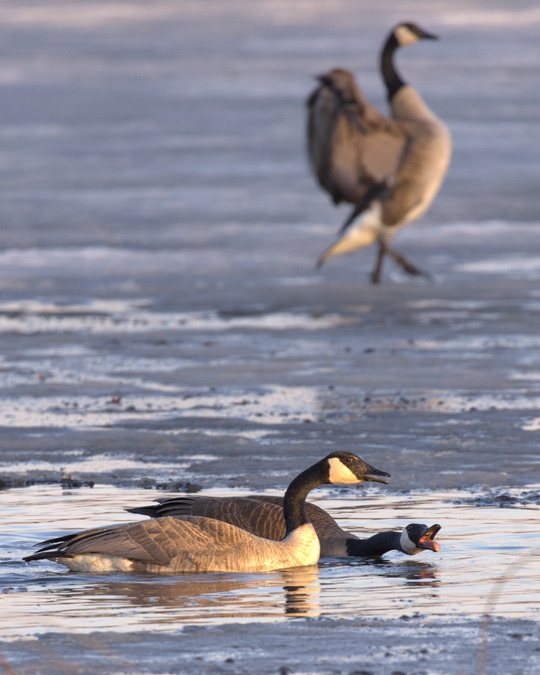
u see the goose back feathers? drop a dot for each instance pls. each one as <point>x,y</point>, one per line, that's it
<point>263,515</point>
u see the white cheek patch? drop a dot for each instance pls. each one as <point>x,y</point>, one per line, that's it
<point>339,473</point>
<point>407,544</point>
<point>404,36</point>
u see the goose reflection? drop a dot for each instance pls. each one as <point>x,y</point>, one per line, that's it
<point>302,589</point>
<point>411,571</point>
<point>198,598</point>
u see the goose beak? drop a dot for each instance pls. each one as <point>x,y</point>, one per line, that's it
<point>427,540</point>
<point>372,472</point>
<point>428,36</point>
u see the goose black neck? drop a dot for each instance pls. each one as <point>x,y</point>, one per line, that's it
<point>392,79</point>
<point>294,501</point>
<point>377,545</point>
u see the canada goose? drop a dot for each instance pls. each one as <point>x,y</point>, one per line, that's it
<point>263,515</point>
<point>390,169</point>
<point>199,544</point>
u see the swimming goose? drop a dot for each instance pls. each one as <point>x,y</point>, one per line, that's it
<point>200,544</point>
<point>390,169</point>
<point>263,515</point>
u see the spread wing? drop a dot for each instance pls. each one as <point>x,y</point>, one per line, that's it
<point>354,150</point>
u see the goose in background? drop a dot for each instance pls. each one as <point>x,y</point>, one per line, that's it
<point>263,515</point>
<point>390,169</point>
<point>200,544</point>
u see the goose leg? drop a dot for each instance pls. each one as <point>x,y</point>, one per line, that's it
<point>376,274</point>
<point>405,264</point>
<point>351,217</point>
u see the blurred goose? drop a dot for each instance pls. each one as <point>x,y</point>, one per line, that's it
<point>200,544</point>
<point>263,515</point>
<point>390,169</point>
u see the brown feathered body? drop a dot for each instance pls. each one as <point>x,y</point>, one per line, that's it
<point>359,156</point>
<point>186,544</point>
<point>263,516</point>
<point>259,514</point>
<point>389,168</point>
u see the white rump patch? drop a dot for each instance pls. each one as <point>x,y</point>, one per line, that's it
<point>339,473</point>
<point>89,562</point>
<point>363,233</point>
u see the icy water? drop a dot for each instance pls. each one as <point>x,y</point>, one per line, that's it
<point>162,323</point>
<point>485,566</point>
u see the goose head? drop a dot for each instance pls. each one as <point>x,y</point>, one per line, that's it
<point>418,537</point>
<point>346,467</point>
<point>409,33</point>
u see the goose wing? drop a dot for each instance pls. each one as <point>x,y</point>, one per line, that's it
<point>260,514</point>
<point>262,517</point>
<point>182,544</point>
<point>354,150</point>
<point>322,521</point>
<point>186,543</point>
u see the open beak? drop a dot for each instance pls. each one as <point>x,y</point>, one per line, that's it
<point>373,472</point>
<point>427,540</point>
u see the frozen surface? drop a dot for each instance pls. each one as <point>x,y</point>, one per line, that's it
<point>161,321</point>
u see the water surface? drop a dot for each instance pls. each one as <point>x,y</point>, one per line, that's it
<point>484,565</point>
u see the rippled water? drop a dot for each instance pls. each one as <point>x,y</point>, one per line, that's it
<point>484,565</point>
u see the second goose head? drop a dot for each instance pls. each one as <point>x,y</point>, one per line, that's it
<point>408,33</point>
<point>402,35</point>
<point>337,467</point>
<point>346,467</point>
<point>417,537</point>
<point>413,539</point>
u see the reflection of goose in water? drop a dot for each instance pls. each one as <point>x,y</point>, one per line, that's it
<point>302,588</point>
<point>381,580</point>
<point>204,598</point>
<point>263,515</point>
<point>409,569</point>
<point>199,544</point>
